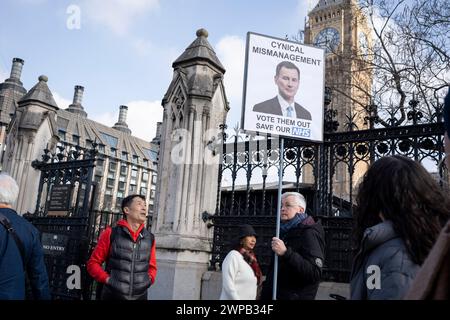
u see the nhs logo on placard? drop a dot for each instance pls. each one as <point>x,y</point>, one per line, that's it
<point>301,132</point>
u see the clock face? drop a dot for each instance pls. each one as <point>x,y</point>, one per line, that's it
<point>363,44</point>
<point>328,39</point>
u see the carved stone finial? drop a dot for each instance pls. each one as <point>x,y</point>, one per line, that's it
<point>202,33</point>
<point>43,78</point>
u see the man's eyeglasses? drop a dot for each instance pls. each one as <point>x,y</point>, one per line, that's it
<point>289,205</point>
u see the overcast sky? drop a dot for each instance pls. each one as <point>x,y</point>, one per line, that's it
<point>122,51</point>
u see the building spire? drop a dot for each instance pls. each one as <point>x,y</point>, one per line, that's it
<point>200,49</point>
<point>40,93</point>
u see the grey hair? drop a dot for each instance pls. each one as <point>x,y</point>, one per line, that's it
<point>299,198</point>
<point>9,190</point>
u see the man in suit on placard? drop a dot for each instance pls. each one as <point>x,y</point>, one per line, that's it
<point>287,77</point>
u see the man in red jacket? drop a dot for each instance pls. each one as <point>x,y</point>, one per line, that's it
<point>129,252</point>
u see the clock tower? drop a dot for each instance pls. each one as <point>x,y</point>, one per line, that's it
<point>341,29</point>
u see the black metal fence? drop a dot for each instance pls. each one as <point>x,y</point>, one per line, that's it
<point>327,174</point>
<point>62,214</point>
<point>65,243</point>
<point>338,253</point>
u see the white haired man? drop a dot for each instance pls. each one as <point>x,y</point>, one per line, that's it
<point>19,240</point>
<point>300,251</point>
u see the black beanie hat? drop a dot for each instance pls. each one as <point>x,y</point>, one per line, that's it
<point>246,230</point>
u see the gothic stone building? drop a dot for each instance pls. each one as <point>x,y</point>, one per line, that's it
<point>31,121</point>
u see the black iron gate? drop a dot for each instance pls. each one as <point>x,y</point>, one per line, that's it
<point>326,174</point>
<point>62,216</point>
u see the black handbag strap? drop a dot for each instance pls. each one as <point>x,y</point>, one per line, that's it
<point>7,224</point>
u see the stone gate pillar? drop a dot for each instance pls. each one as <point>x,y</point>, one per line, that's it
<point>32,129</point>
<point>194,107</point>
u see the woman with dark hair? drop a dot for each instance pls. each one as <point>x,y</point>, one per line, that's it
<point>433,279</point>
<point>241,274</point>
<point>400,212</point>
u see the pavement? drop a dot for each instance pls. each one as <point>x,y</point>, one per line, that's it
<point>327,288</point>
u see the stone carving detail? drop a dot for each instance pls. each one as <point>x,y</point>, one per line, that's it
<point>178,109</point>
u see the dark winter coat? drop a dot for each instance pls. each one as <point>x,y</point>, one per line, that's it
<point>300,268</point>
<point>381,247</point>
<point>12,279</point>
<point>128,265</point>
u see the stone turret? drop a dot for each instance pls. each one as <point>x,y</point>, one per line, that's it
<point>32,129</point>
<point>40,94</point>
<point>194,107</point>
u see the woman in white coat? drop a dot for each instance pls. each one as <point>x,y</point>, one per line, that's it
<point>241,274</point>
